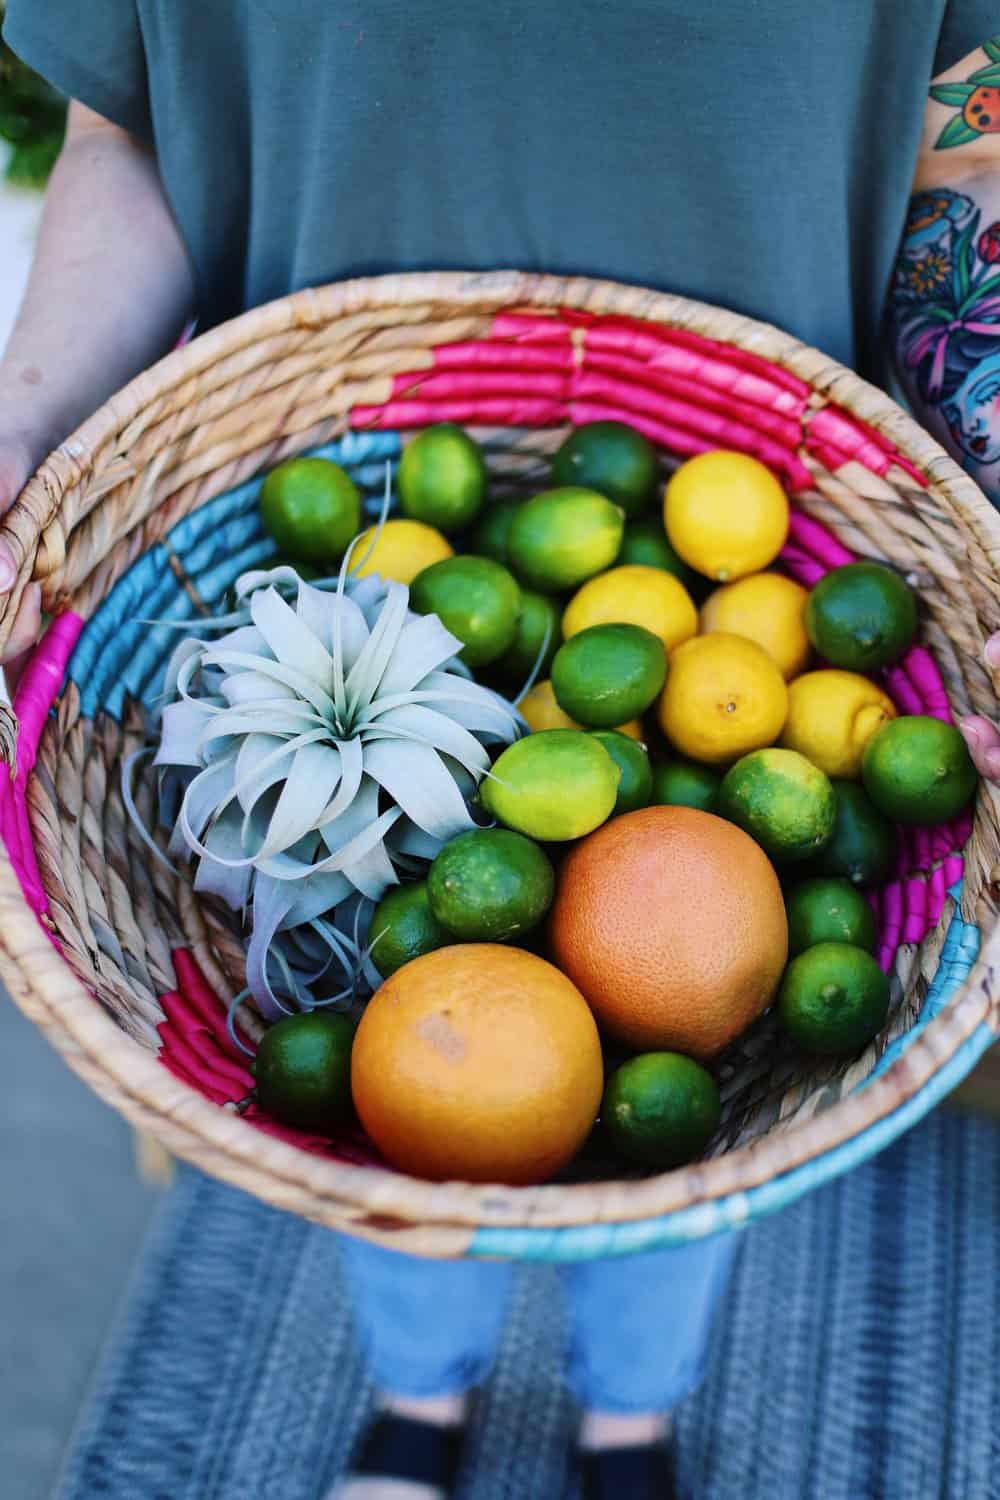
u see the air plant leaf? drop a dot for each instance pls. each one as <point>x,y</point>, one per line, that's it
<point>317,743</point>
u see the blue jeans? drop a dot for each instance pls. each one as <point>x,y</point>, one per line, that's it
<point>639,1326</point>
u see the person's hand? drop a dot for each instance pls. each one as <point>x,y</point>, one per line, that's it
<point>16,466</point>
<point>982,737</point>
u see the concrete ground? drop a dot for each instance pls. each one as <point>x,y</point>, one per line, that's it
<point>72,1214</point>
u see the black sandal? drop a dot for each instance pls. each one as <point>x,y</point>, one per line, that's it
<point>645,1472</point>
<point>401,1448</point>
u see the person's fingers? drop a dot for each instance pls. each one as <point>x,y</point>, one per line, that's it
<point>15,470</point>
<point>8,569</point>
<point>991,651</point>
<point>983,741</point>
<point>27,624</point>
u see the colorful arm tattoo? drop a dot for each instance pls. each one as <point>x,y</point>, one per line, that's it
<point>978,101</point>
<point>944,320</point>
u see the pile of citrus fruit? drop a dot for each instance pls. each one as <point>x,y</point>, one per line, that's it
<point>711,773</point>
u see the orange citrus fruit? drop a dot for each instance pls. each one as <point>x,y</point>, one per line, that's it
<point>671,922</point>
<point>479,1063</point>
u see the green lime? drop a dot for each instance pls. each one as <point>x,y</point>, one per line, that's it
<point>404,927</point>
<point>782,800</point>
<point>828,911</point>
<point>917,770</point>
<point>302,1070</point>
<point>554,785</point>
<point>305,570</point>
<point>312,508</point>
<point>490,537</point>
<point>686,783</point>
<point>661,1109</point>
<point>645,544</point>
<point>861,617</point>
<point>833,999</point>
<point>490,885</point>
<point>540,622</point>
<point>863,846</point>
<point>635,787</point>
<point>608,674</point>
<point>613,459</point>
<point>563,537</point>
<point>442,478</point>
<point>476,598</point>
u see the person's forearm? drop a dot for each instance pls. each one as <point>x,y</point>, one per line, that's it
<point>110,289</point>
<point>944,316</point>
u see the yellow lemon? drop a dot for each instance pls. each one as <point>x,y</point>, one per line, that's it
<point>724,697</point>
<point>403,549</point>
<point>726,515</point>
<point>634,595</point>
<point>831,717</point>
<point>765,608</point>
<point>541,710</point>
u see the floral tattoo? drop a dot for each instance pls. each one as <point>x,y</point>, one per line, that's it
<point>944,308</point>
<point>977,99</point>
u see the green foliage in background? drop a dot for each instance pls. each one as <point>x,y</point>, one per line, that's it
<point>32,119</point>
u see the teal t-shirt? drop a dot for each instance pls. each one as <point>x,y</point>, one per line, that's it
<point>754,153</point>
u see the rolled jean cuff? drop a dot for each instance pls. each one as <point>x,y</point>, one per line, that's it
<point>591,1394</point>
<point>420,1384</point>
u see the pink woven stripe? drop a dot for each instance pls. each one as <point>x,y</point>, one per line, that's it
<point>817,542</point>
<point>833,431</point>
<point>474,354</point>
<point>731,402</point>
<point>709,366</point>
<point>602,325</point>
<point>39,687</point>
<point>197,1048</point>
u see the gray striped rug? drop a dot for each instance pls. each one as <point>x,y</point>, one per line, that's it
<point>858,1356</point>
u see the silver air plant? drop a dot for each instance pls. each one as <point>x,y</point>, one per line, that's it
<point>325,743</point>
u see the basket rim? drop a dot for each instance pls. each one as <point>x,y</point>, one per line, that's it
<point>133,1080</point>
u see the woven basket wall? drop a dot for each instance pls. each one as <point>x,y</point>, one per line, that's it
<point>149,512</point>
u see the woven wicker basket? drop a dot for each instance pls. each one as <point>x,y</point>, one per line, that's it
<point>149,511</point>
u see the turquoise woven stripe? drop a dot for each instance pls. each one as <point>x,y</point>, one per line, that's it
<point>118,655</point>
<point>960,951</point>
<point>588,1242</point>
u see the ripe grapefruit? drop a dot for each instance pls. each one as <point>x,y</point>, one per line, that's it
<point>478,1062</point>
<point>671,922</point>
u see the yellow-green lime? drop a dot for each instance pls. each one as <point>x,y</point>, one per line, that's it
<point>861,617</point>
<point>863,846</point>
<point>442,478</point>
<point>562,537</point>
<point>476,598</point>
<point>661,1109</point>
<point>312,508</point>
<point>828,911</point>
<point>686,783</point>
<point>608,674</point>
<point>490,536</point>
<point>780,799</point>
<point>635,787</point>
<point>555,785</point>
<point>539,624</point>
<point>490,885</point>
<point>833,1000</point>
<point>404,927</point>
<point>917,770</point>
<point>302,1071</point>
<point>611,458</point>
<point>645,544</point>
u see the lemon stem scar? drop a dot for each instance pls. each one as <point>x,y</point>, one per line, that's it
<point>831,994</point>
